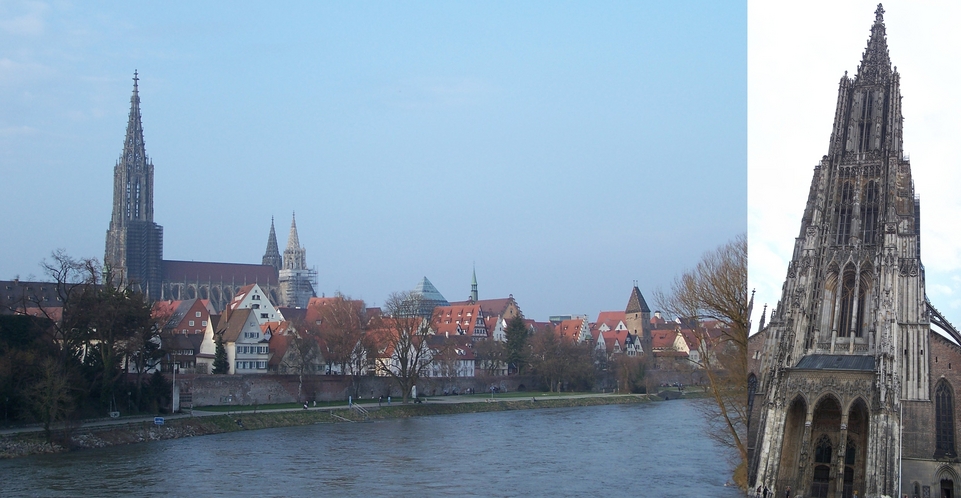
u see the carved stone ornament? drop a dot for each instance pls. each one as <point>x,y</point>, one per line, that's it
<point>890,228</point>
<point>908,267</point>
<point>890,257</point>
<point>812,230</point>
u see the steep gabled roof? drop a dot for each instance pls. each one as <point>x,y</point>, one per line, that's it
<point>459,320</point>
<point>637,304</point>
<point>234,324</point>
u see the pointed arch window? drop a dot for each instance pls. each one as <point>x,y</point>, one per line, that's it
<point>852,305</point>
<point>869,213</point>
<point>944,420</point>
<point>844,212</point>
<point>822,450</point>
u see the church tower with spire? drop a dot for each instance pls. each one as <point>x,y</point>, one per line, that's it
<point>473,287</point>
<point>296,280</point>
<point>134,245</point>
<point>848,345</point>
<point>272,256</point>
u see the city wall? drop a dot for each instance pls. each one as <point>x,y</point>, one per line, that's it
<point>207,390</point>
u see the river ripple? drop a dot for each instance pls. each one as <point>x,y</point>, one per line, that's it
<point>653,449</point>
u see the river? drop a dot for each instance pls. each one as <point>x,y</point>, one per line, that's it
<point>651,449</point>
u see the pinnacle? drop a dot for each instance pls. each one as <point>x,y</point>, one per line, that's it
<point>293,241</point>
<point>876,63</point>
<point>133,145</point>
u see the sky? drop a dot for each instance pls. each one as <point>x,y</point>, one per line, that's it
<point>796,58</point>
<point>563,149</point>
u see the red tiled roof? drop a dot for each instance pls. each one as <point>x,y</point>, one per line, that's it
<point>458,320</point>
<point>490,306</point>
<point>663,339</point>
<point>570,329</point>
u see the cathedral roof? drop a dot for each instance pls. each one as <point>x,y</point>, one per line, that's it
<point>228,273</point>
<point>836,362</point>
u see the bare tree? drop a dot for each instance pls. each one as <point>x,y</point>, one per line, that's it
<point>51,397</point>
<point>342,327</point>
<point>716,289</point>
<point>561,361</point>
<point>303,353</point>
<point>403,335</point>
<point>491,356</point>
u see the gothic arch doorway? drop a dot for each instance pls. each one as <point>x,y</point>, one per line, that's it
<point>854,452</point>
<point>826,436</point>
<point>791,445</point>
<point>947,488</point>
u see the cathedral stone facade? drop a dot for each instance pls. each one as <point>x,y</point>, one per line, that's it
<point>134,244</point>
<point>850,389</point>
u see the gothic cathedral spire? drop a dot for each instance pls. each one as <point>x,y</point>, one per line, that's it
<point>295,257</point>
<point>272,256</point>
<point>134,247</point>
<point>846,345</point>
<point>296,280</point>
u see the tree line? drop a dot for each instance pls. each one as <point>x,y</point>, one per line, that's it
<point>86,358</point>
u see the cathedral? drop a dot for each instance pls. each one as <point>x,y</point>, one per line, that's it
<point>850,390</point>
<point>134,245</point>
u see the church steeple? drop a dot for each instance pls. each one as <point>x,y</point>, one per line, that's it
<point>272,256</point>
<point>473,287</point>
<point>295,257</point>
<point>875,64</point>
<point>133,173</point>
<point>134,248</point>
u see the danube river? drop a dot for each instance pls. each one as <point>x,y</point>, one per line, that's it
<point>652,449</point>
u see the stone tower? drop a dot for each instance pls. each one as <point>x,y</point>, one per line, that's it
<point>637,318</point>
<point>272,256</point>
<point>847,342</point>
<point>296,280</point>
<point>134,248</point>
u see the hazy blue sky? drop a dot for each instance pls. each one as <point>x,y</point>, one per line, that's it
<point>567,149</point>
<point>793,75</point>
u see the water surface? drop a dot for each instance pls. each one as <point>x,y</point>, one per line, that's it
<point>653,449</point>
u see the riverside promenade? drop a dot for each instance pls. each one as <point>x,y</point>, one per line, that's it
<point>367,404</point>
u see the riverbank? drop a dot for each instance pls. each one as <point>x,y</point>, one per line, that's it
<point>33,443</point>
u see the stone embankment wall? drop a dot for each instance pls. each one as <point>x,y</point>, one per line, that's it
<point>214,390</point>
<point>32,443</point>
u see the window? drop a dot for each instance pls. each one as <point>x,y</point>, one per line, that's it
<point>263,315</point>
<point>944,420</point>
<point>191,323</point>
<point>822,451</point>
<point>255,306</point>
<point>844,213</point>
<point>255,297</point>
<point>203,323</point>
<point>197,314</point>
<point>852,300</point>
<point>869,213</point>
